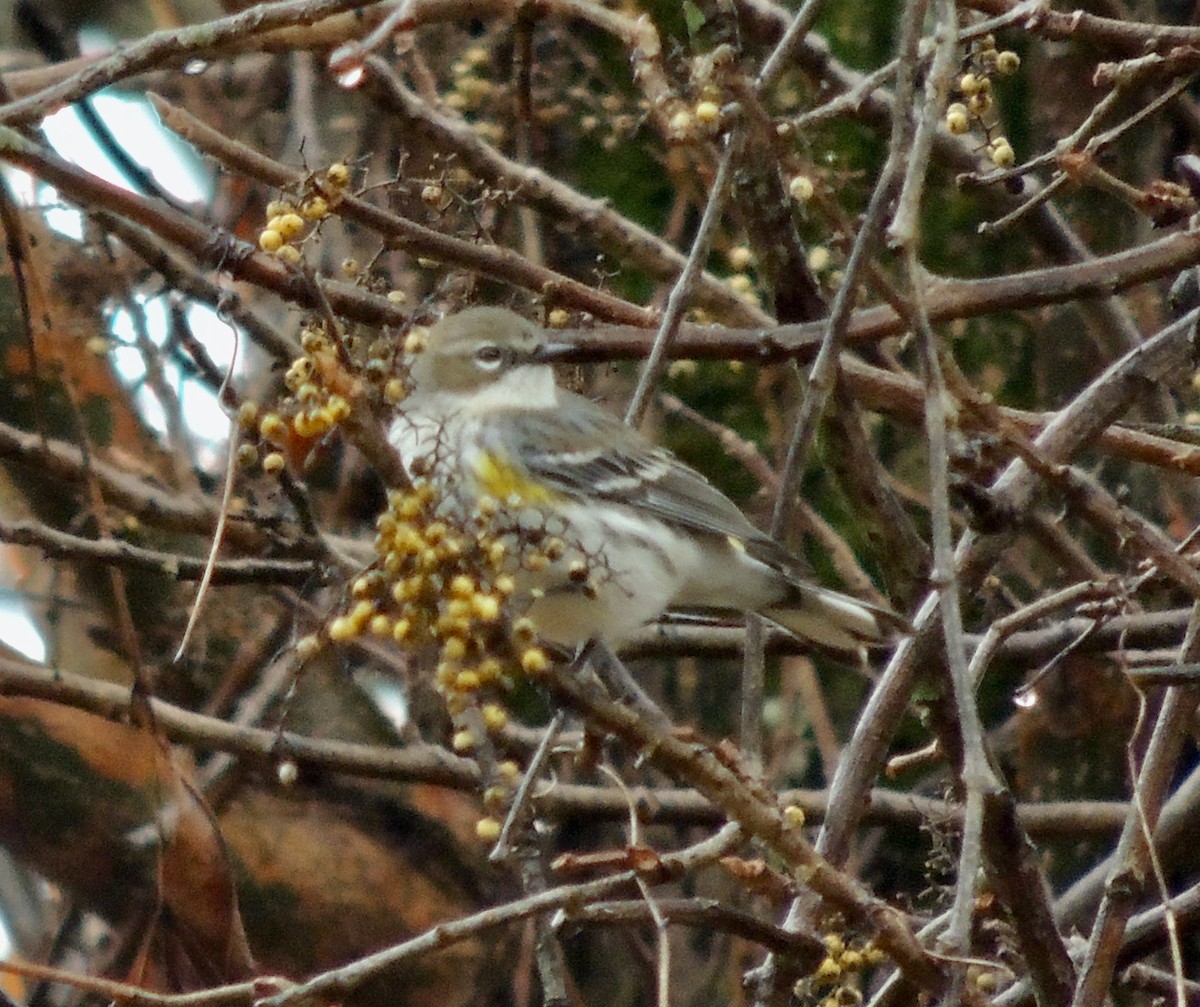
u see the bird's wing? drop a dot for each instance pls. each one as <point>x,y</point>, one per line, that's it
<point>583,451</point>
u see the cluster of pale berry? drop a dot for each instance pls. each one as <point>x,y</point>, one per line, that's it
<point>978,104</point>
<point>289,221</point>
<point>836,979</point>
<point>443,580</point>
<point>705,114</point>
<point>319,388</point>
<point>446,582</point>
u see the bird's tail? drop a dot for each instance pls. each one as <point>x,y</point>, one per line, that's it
<point>833,619</point>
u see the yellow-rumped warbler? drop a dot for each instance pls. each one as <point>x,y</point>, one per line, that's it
<point>634,531</point>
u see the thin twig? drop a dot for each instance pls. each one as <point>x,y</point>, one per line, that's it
<point>681,292</point>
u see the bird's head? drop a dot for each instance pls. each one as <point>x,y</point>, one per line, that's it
<point>476,348</point>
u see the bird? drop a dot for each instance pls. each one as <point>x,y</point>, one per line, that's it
<point>636,532</point>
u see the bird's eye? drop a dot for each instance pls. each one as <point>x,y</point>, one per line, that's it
<point>489,357</point>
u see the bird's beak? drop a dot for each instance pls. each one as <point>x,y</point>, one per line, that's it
<point>553,353</point>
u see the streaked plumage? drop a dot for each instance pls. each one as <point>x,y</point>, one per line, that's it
<point>487,419</point>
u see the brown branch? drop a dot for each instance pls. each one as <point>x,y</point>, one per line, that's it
<point>494,261</point>
<point>529,185</point>
<point>116,552</point>
<point>156,506</point>
<point>210,247</point>
<point>756,811</point>
<point>164,48</point>
<point>336,984</point>
<point>418,763</point>
<point>710,916</point>
<point>1077,426</point>
<point>1131,38</point>
<point>558,801</point>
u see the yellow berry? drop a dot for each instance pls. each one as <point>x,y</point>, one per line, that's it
<point>380,625</point>
<point>708,113</point>
<point>486,607</point>
<point>794,816</point>
<point>313,341</point>
<point>366,586</point>
<point>851,960</point>
<point>681,124</point>
<point>1007,62</point>
<point>495,717</point>
<point>488,829</point>
<point>270,240</point>
<point>394,391</point>
<point>1001,153</point>
<point>979,103</point>
<point>496,797</point>
<point>289,254</point>
<point>316,208</point>
<point>740,258</point>
<point>463,741</point>
<point>342,628</point>
<point>458,608</point>
<point>289,225</point>
<point>534,661</point>
<point>273,464</point>
<point>827,972</point>
<point>337,408</point>
<point>969,84</point>
<point>476,55</point>
<point>489,669</point>
<point>508,771</point>
<point>454,649</point>
<point>801,188</point>
<point>834,945</point>
<point>987,982</point>
<point>558,318</point>
<point>467,681</point>
<point>401,630</point>
<point>308,392</point>
<point>247,415</point>
<point>302,423</point>
<point>338,174</point>
<point>957,122</point>
<point>414,342</point>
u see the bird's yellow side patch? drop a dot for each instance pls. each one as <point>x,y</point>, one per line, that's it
<point>499,479</point>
